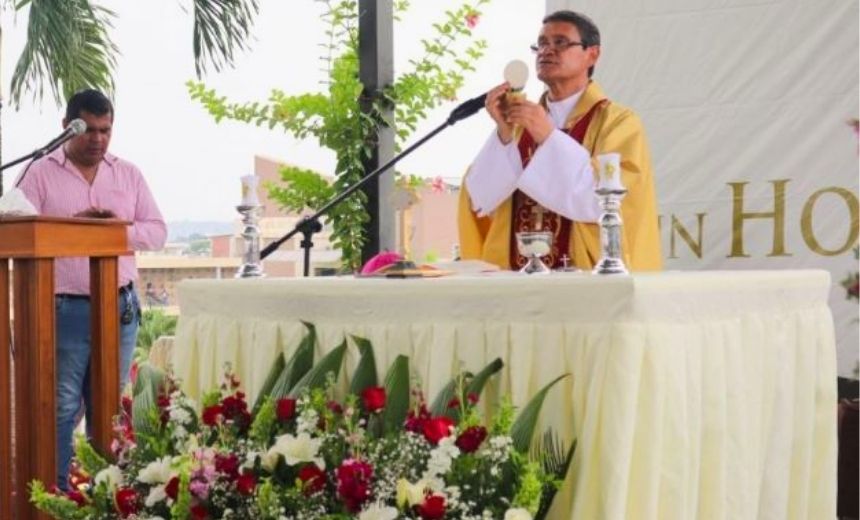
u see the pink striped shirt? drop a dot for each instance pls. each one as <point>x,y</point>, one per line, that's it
<point>56,188</point>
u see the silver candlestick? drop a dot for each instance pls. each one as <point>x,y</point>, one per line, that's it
<point>610,230</point>
<point>251,266</point>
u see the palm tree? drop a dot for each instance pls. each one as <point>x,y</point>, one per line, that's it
<point>69,46</point>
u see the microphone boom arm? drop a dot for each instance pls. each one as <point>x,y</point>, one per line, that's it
<point>311,224</point>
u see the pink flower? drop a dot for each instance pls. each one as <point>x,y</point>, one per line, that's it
<point>472,20</point>
<point>437,185</point>
<point>199,488</point>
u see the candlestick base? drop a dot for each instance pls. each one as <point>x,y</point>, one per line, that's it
<point>610,231</point>
<point>251,265</point>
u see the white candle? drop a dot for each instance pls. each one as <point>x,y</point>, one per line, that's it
<point>609,175</point>
<point>249,190</point>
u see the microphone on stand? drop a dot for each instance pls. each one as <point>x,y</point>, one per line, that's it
<point>74,128</point>
<point>310,225</point>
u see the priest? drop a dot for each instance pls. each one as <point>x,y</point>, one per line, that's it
<point>536,172</point>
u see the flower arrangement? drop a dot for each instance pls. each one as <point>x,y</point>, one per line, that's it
<point>307,450</point>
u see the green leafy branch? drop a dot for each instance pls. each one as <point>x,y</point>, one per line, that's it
<point>336,119</point>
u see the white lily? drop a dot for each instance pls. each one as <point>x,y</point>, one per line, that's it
<point>111,476</point>
<point>156,495</point>
<point>156,472</point>
<point>298,449</point>
<point>378,512</point>
<point>411,494</point>
<point>517,514</point>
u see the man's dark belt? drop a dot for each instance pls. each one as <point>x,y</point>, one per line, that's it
<point>129,287</point>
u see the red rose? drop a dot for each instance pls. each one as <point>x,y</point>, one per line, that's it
<point>454,403</point>
<point>77,497</point>
<point>472,398</point>
<point>286,409</point>
<point>470,440</point>
<point>77,476</point>
<point>199,512</point>
<point>437,428</point>
<point>126,500</point>
<point>313,479</point>
<point>172,488</point>
<point>353,483</point>
<point>433,507</point>
<point>126,405</point>
<point>335,407</point>
<point>227,464</point>
<point>163,402</point>
<point>246,484</point>
<point>373,398</point>
<point>235,409</point>
<point>211,415</point>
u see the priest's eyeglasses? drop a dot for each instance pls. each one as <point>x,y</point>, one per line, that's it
<point>556,45</point>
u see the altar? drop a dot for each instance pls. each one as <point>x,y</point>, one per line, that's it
<point>692,394</point>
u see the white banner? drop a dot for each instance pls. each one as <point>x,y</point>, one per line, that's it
<point>748,107</point>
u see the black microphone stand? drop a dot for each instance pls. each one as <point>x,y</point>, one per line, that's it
<point>32,155</point>
<point>311,224</point>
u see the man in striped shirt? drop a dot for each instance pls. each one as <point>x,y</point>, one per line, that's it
<point>81,179</point>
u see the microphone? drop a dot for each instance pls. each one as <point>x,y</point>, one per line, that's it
<point>467,109</point>
<point>74,128</point>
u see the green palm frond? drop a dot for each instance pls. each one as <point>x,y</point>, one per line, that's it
<point>555,460</point>
<point>68,48</point>
<point>221,27</point>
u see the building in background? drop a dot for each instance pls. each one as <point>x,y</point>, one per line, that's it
<point>426,230</point>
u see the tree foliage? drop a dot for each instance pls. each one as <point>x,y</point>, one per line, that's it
<point>334,118</point>
<point>69,47</point>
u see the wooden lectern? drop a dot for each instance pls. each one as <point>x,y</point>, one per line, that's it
<point>32,243</point>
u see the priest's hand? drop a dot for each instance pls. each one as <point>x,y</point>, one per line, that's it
<point>532,117</point>
<point>496,106</point>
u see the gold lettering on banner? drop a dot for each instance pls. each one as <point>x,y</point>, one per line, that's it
<point>695,246</point>
<point>739,216</point>
<point>806,221</point>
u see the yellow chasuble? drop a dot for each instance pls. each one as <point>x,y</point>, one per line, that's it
<point>613,128</point>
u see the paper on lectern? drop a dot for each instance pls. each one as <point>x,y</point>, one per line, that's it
<point>15,204</point>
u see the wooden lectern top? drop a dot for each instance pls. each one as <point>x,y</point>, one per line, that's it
<point>49,237</point>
